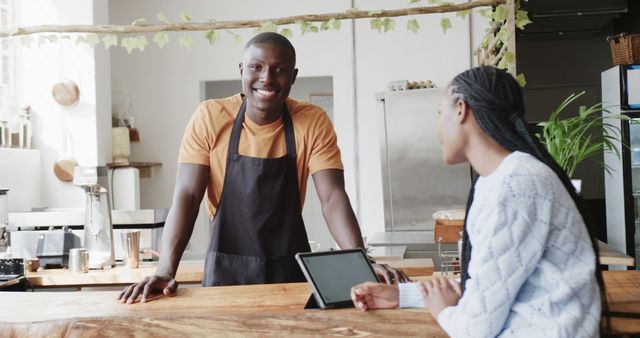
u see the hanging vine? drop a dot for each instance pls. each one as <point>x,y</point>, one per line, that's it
<point>498,47</point>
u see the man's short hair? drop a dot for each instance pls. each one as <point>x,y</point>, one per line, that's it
<point>273,39</point>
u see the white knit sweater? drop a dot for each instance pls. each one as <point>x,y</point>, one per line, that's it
<point>532,265</point>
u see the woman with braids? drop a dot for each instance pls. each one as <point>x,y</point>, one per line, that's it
<point>529,265</point>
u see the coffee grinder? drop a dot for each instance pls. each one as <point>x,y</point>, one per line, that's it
<point>98,229</point>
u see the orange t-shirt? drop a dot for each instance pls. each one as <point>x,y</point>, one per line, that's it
<point>206,141</point>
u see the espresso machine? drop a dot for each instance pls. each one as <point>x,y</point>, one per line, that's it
<point>98,229</point>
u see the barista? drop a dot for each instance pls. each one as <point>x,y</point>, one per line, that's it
<point>252,154</point>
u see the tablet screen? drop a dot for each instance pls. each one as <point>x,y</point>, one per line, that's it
<point>333,273</point>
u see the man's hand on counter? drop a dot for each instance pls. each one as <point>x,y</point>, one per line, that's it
<point>390,275</point>
<point>149,288</point>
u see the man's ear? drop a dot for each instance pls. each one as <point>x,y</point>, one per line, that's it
<point>240,66</point>
<point>295,75</point>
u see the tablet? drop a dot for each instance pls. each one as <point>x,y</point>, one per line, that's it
<point>332,274</point>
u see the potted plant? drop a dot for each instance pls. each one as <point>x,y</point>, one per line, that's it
<point>575,139</point>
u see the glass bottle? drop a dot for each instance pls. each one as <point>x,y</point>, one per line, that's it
<point>5,134</point>
<point>24,128</point>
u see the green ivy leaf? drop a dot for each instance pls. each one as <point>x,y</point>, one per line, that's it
<point>287,33</point>
<point>499,14</point>
<point>92,40</point>
<point>508,56</point>
<point>388,24</point>
<point>212,36</point>
<point>139,22</point>
<point>503,34</point>
<point>413,26</point>
<point>351,10</point>
<point>110,40</point>
<point>162,18</point>
<point>234,35</point>
<point>185,16</point>
<point>521,80</point>
<point>129,43</point>
<point>411,2</point>
<point>522,19</point>
<point>324,26</point>
<point>335,24</point>
<point>267,27</point>
<point>304,26</point>
<point>186,41</point>
<point>435,2</point>
<point>161,39</point>
<point>65,37</point>
<point>486,13</point>
<point>313,29</point>
<point>503,64</point>
<point>463,14</point>
<point>142,42</point>
<point>52,38</point>
<point>445,23</point>
<point>376,24</point>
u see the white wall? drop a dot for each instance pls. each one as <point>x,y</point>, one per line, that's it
<point>165,83</point>
<point>40,67</point>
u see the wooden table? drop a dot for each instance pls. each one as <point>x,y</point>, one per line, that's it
<point>611,256</point>
<point>189,272</point>
<point>248,311</point>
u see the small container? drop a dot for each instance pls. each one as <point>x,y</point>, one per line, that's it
<point>5,134</point>
<point>78,260</point>
<point>24,128</point>
<point>131,248</point>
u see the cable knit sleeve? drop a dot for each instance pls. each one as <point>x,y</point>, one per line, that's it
<point>508,237</point>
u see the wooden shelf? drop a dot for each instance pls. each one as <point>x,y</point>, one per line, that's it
<point>144,167</point>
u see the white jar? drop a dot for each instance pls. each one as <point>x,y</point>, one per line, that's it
<point>120,146</point>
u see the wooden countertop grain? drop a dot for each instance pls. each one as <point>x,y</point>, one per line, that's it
<point>248,311</point>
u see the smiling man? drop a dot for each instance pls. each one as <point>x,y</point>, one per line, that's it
<point>252,154</point>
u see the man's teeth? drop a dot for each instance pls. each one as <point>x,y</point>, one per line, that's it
<point>265,92</point>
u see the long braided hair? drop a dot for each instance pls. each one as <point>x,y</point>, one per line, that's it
<point>496,100</point>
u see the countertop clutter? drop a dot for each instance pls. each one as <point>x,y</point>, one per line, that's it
<point>189,272</point>
<point>248,311</point>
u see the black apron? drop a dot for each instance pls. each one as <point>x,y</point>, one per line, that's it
<point>258,226</point>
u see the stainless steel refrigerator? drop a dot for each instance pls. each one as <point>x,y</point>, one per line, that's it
<point>416,182</point>
<point>621,95</point>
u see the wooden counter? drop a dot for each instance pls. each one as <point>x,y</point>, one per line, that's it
<point>253,311</point>
<point>189,272</point>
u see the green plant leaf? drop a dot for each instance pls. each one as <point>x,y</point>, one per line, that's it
<point>335,24</point>
<point>110,40</point>
<point>185,16</point>
<point>445,23</point>
<point>211,36</point>
<point>267,26</point>
<point>463,14</point>
<point>304,26</point>
<point>161,17</point>
<point>287,33</point>
<point>129,43</point>
<point>142,42</point>
<point>324,26</point>
<point>411,2</point>
<point>522,19</point>
<point>521,80</point>
<point>186,41</point>
<point>413,26</point>
<point>313,29</point>
<point>499,14</point>
<point>388,24</point>
<point>80,39</point>
<point>161,39</point>
<point>376,24</point>
<point>139,22</point>
<point>503,34</point>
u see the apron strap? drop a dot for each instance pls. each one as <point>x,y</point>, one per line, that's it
<point>289,135</point>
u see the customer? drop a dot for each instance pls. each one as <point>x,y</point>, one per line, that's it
<point>533,270</point>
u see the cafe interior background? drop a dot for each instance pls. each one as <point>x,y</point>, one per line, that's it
<point>157,89</point>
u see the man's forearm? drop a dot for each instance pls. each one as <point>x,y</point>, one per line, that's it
<point>342,222</point>
<point>176,234</point>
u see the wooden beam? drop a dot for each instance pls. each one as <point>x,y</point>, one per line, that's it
<point>181,27</point>
<point>511,30</point>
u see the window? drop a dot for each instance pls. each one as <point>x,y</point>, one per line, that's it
<point>6,52</point>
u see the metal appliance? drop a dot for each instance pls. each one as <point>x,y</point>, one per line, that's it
<point>98,229</point>
<point>4,218</point>
<point>621,95</point>
<point>415,181</point>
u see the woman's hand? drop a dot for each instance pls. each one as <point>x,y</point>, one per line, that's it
<point>439,293</point>
<point>370,296</point>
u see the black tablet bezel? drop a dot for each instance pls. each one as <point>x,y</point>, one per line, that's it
<point>316,292</point>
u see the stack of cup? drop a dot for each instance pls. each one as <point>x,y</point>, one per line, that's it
<point>78,260</point>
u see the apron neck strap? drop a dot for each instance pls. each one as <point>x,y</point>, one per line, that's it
<point>289,135</point>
